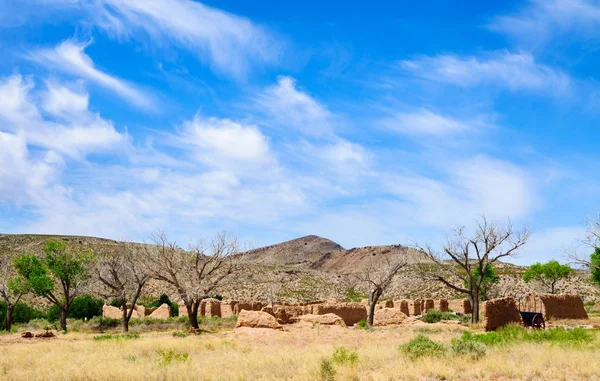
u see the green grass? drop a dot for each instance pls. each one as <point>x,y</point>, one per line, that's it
<point>513,334</point>
<point>122,336</point>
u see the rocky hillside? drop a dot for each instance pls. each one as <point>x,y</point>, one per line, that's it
<point>300,252</point>
<point>313,267</point>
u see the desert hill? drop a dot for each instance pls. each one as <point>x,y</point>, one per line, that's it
<point>299,252</point>
<point>310,267</point>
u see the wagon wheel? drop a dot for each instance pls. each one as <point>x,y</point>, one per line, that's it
<point>538,322</point>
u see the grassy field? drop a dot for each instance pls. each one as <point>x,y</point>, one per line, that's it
<point>307,353</point>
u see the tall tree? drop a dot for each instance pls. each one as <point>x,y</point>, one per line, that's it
<point>378,275</point>
<point>466,256</point>
<point>123,275</point>
<point>548,274</point>
<point>59,276</point>
<point>12,288</point>
<point>196,273</point>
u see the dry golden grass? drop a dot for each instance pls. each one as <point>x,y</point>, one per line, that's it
<point>294,354</point>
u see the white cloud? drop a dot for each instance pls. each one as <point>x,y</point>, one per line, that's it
<point>289,107</point>
<point>70,57</point>
<point>76,133</point>
<point>541,21</point>
<point>425,122</point>
<point>21,176</point>
<point>223,143</point>
<point>551,243</point>
<point>514,71</point>
<point>229,43</point>
<point>480,185</point>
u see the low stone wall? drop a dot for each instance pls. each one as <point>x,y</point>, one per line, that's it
<point>564,306</point>
<point>500,312</point>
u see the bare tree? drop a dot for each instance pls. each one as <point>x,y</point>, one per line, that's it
<point>590,242</point>
<point>12,288</point>
<point>197,273</point>
<point>123,275</point>
<point>464,257</point>
<point>378,275</point>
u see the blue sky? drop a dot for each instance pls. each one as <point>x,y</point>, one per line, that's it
<point>364,122</point>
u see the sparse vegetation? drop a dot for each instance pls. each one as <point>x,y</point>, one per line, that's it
<point>343,355</point>
<point>327,371</point>
<point>422,346</point>
<point>435,316</point>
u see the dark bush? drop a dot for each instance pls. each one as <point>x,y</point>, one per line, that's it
<point>22,313</point>
<point>82,307</point>
<point>164,299</point>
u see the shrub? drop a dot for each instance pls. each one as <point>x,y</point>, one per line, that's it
<point>471,349</point>
<point>422,346</point>
<point>23,313</point>
<point>435,316</point>
<point>167,357</point>
<point>82,307</point>
<point>362,324</point>
<point>327,371</point>
<point>102,323</point>
<point>343,356</point>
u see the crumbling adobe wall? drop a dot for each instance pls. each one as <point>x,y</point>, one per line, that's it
<point>352,313</point>
<point>409,307</point>
<point>460,306</point>
<point>441,304</point>
<point>565,306</point>
<point>500,312</point>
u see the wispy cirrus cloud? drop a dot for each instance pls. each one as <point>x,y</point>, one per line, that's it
<point>69,57</point>
<point>513,71</point>
<point>424,122</point>
<point>540,21</point>
<point>230,44</point>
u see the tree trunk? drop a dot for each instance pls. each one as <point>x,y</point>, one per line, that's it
<point>9,316</point>
<point>63,318</point>
<point>474,300</point>
<point>552,287</point>
<point>125,315</point>
<point>373,299</point>
<point>192,309</point>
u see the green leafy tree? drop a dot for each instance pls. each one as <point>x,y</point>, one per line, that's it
<point>12,288</point>
<point>489,279</point>
<point>595,265</point>
<point>59,276</point>
<point>548,274</point>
